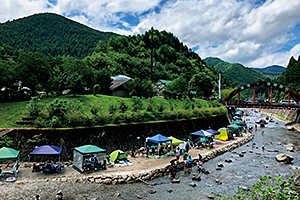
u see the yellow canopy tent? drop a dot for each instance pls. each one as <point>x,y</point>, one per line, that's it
<point>175,141</point>
<point>225,134</point>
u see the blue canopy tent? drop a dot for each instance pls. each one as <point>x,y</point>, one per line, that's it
<point>46,150</point>
<point>159,139</point>
<point>212,131</point>
<point>202,133</point>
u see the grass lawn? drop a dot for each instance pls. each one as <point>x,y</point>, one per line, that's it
<point>12,112</point>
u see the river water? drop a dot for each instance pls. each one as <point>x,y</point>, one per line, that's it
<point>241,172</point>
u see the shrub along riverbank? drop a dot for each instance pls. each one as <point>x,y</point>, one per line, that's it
<point>91,110</point>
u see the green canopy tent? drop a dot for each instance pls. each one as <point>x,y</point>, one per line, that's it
<point>117,155</point>
<point>89,151</point>
<point>8,154</point>
<point>234,129</point>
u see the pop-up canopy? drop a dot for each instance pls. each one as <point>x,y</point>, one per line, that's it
<point>8,154</point>
<point>91,151</point>
<point>46,150</point>
<point>175,141</point>
<point>158,139</point>
<point>212,131</point>
<point>87,149</point>
<point>202,133</point>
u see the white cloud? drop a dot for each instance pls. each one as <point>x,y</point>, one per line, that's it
<point>234,31</point>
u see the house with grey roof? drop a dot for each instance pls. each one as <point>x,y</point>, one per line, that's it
<point>117,86</point>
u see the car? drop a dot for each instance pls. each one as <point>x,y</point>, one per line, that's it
<point>286,102</point>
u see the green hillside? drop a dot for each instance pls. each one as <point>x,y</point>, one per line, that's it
<point>92,110</point>
<point>291,77</point>
<point>238,73</point>
<point>51,34</point>
<point>272,72</point>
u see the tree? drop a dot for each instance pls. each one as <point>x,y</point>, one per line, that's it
<point>140,88</point>
<point>203,84</point>
<point>33,71</point>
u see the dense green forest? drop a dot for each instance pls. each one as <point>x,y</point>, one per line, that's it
<point>126,55</point>
<point>238,73</point>
<point>291,77</point>
<point>272,71</point>
<point>51,34</point>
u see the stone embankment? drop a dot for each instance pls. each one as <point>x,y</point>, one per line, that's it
<point>288,116</point>
<point>130,177</point>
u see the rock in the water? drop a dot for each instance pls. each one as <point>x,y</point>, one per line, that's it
<point>196,177</point>
<point>211,196</point>
<point>152,191</point>
<point>243,152</point>
<point>117,194</point>
<point>258,153</point>
<point>288,145</point>
<point>192,184</point>
<point>218,168</point>
<point>291,149</point>
<point>244,188</point>
<point>241,155</point>
<point>170,190</point>
<point>228,161</point>
<point>284,158</point>
<point>139,197</point>
<point>272,150</point>
<point>175,181</point>
<point>220,165</point>
<point>218,181</point>
<point>250,151</point>
<point>278,143</point>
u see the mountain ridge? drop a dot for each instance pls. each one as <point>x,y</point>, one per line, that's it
<point>52,34</point>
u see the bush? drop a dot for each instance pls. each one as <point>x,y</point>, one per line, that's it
<point>123,107</point>
<point>167,114</point>
<point>270,188</point>
<point>137,104</point>
<point>138,116</point>
<point>112,108</point>
<point>34,106</point>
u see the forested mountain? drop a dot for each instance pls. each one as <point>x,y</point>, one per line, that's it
<point>51,34</point>
<point>291,76</point>
<point>273,68</point>
<point>239,74</point>
<point>272,71</point>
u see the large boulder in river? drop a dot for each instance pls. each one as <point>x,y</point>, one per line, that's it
<point>284,158</point>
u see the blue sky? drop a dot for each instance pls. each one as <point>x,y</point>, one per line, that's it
<point>255,33</point>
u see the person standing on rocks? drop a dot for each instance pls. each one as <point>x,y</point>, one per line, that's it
<point>190,164</point>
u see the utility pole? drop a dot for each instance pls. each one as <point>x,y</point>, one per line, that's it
<point>151,53</point>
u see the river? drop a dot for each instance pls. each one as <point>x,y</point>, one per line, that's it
<point>241,172</point>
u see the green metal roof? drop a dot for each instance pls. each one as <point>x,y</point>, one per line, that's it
<point>165,82</point>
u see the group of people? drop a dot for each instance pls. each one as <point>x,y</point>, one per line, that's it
<point>92,162</point>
